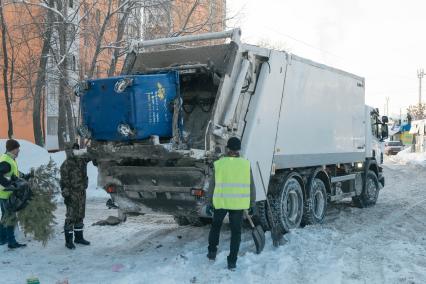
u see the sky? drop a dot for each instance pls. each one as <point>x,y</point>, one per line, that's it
<point>383,41</point>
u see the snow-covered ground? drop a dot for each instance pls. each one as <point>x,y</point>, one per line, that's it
<point>405,157</point>
<point>382,244</point>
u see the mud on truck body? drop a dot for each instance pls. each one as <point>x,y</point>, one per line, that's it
<point>304,127</point>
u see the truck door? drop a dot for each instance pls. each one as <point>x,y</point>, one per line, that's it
<point>260,133</point>
<point>376,134</point>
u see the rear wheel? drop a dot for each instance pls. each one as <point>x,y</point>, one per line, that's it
<point>370,191</point>
<point>316,203</point>
<point>288,203</point>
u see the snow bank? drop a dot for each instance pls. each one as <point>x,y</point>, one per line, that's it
<point>32,156</point>
<point>405,157</point>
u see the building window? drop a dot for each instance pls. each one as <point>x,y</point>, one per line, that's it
<point>52,125</point>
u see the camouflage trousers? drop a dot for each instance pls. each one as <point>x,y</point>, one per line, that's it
<point>76,209</point>
<point>8,218</point>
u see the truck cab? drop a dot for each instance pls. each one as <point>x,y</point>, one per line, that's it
<point>376,133</point>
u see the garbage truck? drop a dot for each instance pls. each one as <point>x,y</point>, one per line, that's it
<point>156,129</point>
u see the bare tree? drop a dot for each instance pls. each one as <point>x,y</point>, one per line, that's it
<point>124,14</point>
<point>38,120</point>
<point>7,93</point>
<point>417,112</point>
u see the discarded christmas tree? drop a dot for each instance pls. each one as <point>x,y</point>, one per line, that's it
<point>37,218</point>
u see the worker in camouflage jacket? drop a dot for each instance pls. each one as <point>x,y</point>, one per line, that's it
<point>74,182</point>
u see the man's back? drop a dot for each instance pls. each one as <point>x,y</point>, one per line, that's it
<point>74,173</point>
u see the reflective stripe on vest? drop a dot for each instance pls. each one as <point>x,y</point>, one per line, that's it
<point>13,172</point>
<point>232,184</point>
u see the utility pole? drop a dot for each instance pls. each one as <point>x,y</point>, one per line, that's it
<point>420,74</point>
<point>387,106</point>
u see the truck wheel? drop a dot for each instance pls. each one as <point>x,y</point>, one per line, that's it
<point>370,191</point>
<point>288,204</point>
<point>315,204</point>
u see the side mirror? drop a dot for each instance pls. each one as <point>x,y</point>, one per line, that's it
<point>385,119</point>
<point>385,131</point>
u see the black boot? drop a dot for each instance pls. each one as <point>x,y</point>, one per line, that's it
<point>11,241</point>
<point>79,239</point>
<point>232,264</point>
<point>211,255</point>
<point>16,245</point>
<point>3,238</point>
<point>68,239</point>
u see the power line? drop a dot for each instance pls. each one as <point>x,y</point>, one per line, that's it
<point>304,42</point>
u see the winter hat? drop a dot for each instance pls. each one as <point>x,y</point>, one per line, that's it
<point>234,144</point>
<point>11,145</point>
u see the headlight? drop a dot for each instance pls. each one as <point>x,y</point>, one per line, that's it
<point>359,165</point>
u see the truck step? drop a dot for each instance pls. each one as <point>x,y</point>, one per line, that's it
<point>343,178</point>
<point>342,196</point>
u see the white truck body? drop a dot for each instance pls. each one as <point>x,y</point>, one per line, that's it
<point>312,115</point>
<point>298,120</point>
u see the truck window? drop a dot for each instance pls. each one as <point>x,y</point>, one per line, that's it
<point>376,126</point>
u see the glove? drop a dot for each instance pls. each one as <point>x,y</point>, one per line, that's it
<point>210,210</point>
<point>12,187</point>
<point>29,175</point>
<point>251,211</point>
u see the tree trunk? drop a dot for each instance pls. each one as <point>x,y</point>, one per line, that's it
<point>41,79</point>
<point>62,108</point>
<point>5,73</point>
<point>119,38</point>
<point>70,117</point>
<point>99,39</point>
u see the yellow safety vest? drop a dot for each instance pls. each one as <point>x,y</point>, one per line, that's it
<point>232,184</point>
<point>13,172</point>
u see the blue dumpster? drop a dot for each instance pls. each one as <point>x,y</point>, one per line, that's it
<point>132,107</point>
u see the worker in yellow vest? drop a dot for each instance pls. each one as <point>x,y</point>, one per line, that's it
<point>8,173</point>
<point>231,192</point>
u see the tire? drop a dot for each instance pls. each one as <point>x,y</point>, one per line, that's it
<point>315,205</point>
<point>287,203</point>
<point>370,191</point>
